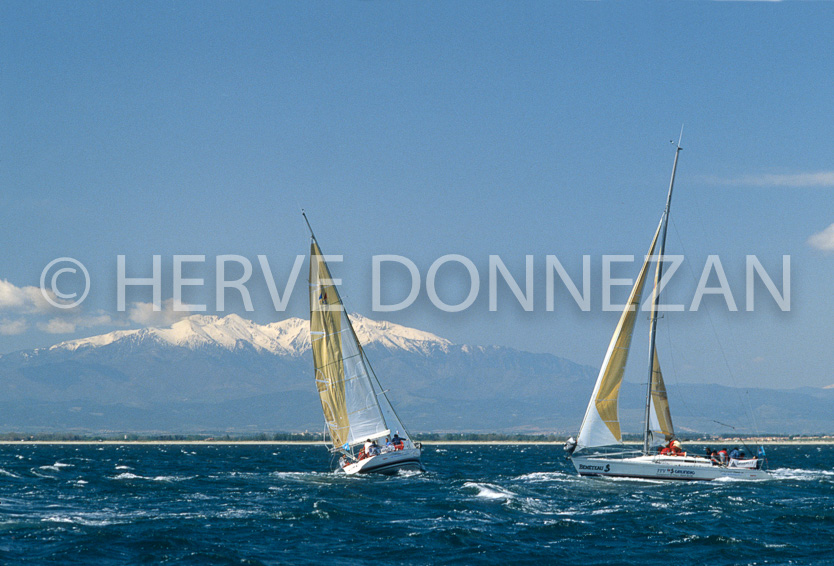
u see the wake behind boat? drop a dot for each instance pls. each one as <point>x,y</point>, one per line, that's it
<point>599,450</point>
<point>359,418</point>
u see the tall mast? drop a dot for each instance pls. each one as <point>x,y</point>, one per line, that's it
<point>310,228</point>
<point>656,300</point>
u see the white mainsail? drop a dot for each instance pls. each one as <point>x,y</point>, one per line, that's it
<point>354,409</point>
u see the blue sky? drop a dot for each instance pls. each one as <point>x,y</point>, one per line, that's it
<point>424,129</point>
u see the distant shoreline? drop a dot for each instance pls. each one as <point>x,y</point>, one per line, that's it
<point>765,442</point>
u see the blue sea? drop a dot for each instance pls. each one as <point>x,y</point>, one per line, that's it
<point>479,504</point>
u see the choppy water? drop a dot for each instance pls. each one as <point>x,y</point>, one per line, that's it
<point>205,505</point>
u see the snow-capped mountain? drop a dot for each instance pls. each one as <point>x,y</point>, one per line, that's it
<point>218,373</point>
<point>290,337</point>
<point>208,373</point>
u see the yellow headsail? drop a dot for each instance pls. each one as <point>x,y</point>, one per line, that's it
<point>325,332</point>
<point>601,426</point>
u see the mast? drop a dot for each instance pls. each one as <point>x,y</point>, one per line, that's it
<point>310,228</point>
<point>656,300</point>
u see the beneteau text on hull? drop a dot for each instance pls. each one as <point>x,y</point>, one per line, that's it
<point>363,427</point>
<point>599,450</point>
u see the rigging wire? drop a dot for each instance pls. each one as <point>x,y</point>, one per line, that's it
<point>748,407</point>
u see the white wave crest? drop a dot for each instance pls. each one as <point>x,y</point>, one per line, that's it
<point>490,491</point>
<point>56,467</point>
<point>545,476</point>
<point>801,475</point>
<point>130,476</point>
<point>81,520</point>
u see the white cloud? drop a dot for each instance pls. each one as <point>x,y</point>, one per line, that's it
<point>143,313</point>
<point>27,308</point>
<point>799,180</point>
<point>57,326</point>
<point>73,322</point>
<point>26,299</point>
<point>32,308</point>
<point>100,319</point>
<point>11,327</point>
<point>823,240</point>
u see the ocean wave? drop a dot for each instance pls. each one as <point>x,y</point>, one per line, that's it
<point>800,474</point>
<point>37,474</point>
<point>729,479</point>
<point>545,476</point>
<point>308,476</point>
<point>56,467</point>
<point>409,473</point>
<point>131,476</point>
<point>87,521</point>
<point>490,491</point>
<point>4,472</point>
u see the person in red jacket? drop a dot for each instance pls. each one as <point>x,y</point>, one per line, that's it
<point>674,449</point>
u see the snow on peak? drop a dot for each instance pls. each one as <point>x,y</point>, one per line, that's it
<point>287,337</point>
<point>395,336</point>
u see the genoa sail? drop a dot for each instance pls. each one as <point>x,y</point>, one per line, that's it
<point>601,425</point>
<point>354,410</point>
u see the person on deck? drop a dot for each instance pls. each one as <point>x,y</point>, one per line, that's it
<point>677,449</point>
<point>397,441</point>
<point>364,452</point>
<point>723,457</point>
<point>734,453</point>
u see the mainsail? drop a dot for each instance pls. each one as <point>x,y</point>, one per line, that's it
<point>660,418</point>
<point>354,410</point>
<point>601,425</point>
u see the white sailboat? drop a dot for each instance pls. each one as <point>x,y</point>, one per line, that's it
<point>598,450</point>
<point>364,428</point>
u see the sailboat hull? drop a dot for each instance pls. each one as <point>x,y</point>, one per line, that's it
<point>681,468</point>
<point>387,463</point>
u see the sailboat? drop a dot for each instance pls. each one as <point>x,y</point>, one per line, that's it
<point>364,429</point>
<point>599,450</point>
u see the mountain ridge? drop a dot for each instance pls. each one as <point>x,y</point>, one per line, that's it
<point>209,373</point>
<point>287,337</point>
